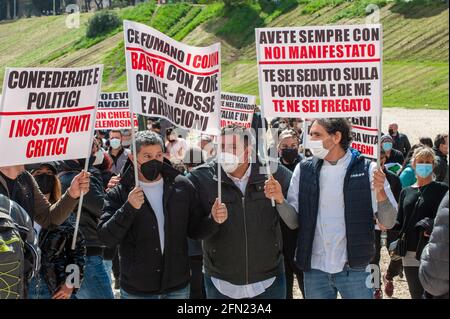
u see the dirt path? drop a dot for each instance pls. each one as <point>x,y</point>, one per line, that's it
<point>417,123</point>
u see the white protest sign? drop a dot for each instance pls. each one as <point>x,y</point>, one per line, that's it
<point>365,136</point>
<point>113,112</point>
<point>172,80</point>
<point>237,109</point>
<point>48,114</point>
<point>317,72</point>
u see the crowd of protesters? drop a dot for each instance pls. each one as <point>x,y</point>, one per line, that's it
<point>174,236</point>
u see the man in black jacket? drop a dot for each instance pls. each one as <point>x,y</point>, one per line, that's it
<point>401,141</point>
<point>151,223</point>
<point>243,256</point>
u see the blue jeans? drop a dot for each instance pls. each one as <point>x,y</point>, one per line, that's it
<point>38,289</point>
<point>96,283</point>
<point>178,294</point>
<point>276,291</point>
<point>108,267</point>
<point>350,283</point>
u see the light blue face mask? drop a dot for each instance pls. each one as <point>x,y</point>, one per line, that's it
<point>387,146</point>
<point>424,170</point>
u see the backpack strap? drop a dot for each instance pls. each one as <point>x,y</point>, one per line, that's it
<point>5,205</point>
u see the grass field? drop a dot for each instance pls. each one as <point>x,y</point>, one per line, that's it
<point>415,69</point>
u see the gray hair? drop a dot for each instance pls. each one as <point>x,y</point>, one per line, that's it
<point>145,138</point>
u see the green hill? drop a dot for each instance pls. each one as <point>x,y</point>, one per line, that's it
<point>415,70</point>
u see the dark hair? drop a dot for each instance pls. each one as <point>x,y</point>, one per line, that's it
<point>439,140</point>
<point>244,133</point>
<point>426,141</point>
<point>342,125</point>
<point>116,131</point>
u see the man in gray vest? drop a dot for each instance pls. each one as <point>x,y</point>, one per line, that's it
<point>332,199</point>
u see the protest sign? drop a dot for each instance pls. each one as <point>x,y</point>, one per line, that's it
<point>172,80</point>
<point>237,109</point>
<point>316,72</point>
<point>365,136</point>
<point>113,112</point>
<point>48,114</point>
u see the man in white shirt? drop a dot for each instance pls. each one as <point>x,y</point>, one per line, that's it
<point>335,196</point>
<point>151,223</point>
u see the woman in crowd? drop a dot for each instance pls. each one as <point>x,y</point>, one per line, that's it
<point>418,206</point>
<point>53,282</point>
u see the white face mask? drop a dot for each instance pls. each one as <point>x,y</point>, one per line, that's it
<point>99,157</point>
<point>114,143</point>
<point>317,149</point>
<point>229,162</point>
<point>283,126</point>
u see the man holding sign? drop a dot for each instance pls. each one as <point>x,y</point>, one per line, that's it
<point>337,194</point>
<point>151,223</point>
<point>243,249</point>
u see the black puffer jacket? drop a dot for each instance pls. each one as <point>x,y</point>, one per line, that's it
<point>247,247</point>
<point>92,204</point>
<point>57,253</point>
<point>143,268</point>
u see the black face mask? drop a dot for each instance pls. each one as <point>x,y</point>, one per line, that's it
<point>391,132</point>
<point>151,169</point>
<point>46,183</point>
<point>289,155</point>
